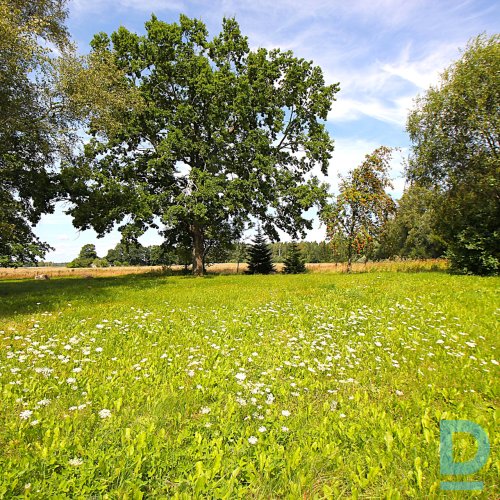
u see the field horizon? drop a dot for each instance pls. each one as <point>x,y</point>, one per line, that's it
<point>410,265</point>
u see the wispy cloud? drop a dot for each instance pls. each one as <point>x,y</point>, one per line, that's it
<point>385,90</point>
<point>394,111</point>
<point>425,71</point>
<point>350,153</point>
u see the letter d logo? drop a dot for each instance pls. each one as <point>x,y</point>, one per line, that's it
<point>449,466</point>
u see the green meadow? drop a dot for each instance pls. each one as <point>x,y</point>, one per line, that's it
<point>282,386</point>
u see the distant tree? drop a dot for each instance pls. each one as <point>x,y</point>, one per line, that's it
<point>311,251</point>
<point>279,249</point>
<point>260,259</point>
<point>116,255</point>
<point>215,140</point>
<point>294,262</point>
<point>325,252</point>
<point>86,257</point>
<point>455,130</point>
<point>100,263</point>
<point>129,253</point>
<point>362,206</point>
<point>239,253</point>
<point>411,232</point>
<point>338,247</point>
<point>160,255</point>
<point>88,252</point>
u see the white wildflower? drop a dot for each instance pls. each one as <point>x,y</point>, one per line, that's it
<point>25,414</point>
<point>105,413</point>
<point>252,440</point>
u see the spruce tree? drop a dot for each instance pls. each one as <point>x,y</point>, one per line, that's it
<point>294,262</point>
<point>260,256</point>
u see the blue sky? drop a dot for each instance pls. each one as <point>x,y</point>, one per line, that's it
<point>383,53</point>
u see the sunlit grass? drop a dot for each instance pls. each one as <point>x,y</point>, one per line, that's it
<point>315,386</point>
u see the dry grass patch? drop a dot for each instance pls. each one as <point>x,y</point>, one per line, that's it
<point>223,268</point>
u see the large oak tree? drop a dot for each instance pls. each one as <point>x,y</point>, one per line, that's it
<point>221,134</point>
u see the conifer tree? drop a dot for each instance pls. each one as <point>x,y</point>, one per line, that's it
<point>260,256</point>
<point>294,262</point>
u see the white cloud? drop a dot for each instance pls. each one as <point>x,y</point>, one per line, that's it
<point>425,71</point>
<point>350,153</point>
<point>348,109</point>
<point>385,90</point>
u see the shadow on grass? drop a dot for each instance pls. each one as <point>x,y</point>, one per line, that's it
<point>30,296</point>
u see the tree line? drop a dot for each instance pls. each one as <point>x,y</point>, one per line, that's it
<point>200,137</point>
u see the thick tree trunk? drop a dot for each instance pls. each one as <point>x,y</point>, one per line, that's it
<point>198,249</point>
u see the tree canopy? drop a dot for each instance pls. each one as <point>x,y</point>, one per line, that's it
<point>455,130</point>
<point>222,134</point>
<point>362,206</point>
<point>29,122</point>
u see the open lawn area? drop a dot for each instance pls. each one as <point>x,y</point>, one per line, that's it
<point>281,386</point>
